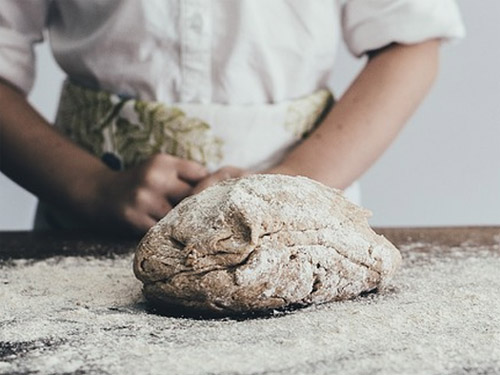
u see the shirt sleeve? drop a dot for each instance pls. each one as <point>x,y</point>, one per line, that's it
<point>21,26</point>
<point>372,24</point>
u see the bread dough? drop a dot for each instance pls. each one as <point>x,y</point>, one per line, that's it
<point>263,242</point>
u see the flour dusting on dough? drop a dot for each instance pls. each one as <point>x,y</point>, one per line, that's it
<point>263,242</point>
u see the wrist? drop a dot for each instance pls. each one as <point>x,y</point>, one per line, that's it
<point>87,190</point>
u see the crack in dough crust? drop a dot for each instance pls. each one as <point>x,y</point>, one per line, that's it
<point>263,242</point>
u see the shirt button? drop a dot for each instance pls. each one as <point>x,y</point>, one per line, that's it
<point>196,23</point>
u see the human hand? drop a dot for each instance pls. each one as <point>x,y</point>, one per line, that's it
<point>223,173</point>
<point>137,198</point>
<point>68,177</point>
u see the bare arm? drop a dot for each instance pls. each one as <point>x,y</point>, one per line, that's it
<point>367,118</point>
<point>37,157</point>
<point>41,160</point>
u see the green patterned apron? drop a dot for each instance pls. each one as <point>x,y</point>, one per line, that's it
<point>124,132</point>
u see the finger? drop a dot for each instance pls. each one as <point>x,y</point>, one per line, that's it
<point>159,210</point>
<point>212,180</point>
<point>191,171</point>
<point>144,224</point>
<point>140,223</point>
<point>147,202</point>
<point>178,188</point>
<point>204,184</point>
<point>178,191</point>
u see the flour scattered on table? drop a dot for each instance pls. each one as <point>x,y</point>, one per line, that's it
<point>441,315</point>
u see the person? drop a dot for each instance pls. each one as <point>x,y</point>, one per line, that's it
<point>165,98</point>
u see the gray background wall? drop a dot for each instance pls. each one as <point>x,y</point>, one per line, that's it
<point>444,169</point>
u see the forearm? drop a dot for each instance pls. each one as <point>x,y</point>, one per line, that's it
<point>367,118</point>
<point>39,158</point>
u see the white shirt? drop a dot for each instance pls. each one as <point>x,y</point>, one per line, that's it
<point>210,51</point>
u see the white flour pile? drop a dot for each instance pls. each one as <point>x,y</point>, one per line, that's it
<point>81,316</point>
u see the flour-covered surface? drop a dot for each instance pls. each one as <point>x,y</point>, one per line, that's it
<point>86,315</point>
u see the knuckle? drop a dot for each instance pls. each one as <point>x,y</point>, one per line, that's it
<point>139,197</point>
<point>156,177</point>
<point>151,177</point>
<point>161,159</point>
<point>167,158</point>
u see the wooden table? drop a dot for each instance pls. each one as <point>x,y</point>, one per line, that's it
<point>69,303</point>
<point>32,245</point>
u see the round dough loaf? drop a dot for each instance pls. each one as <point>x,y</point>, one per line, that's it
<point>263,242</point>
